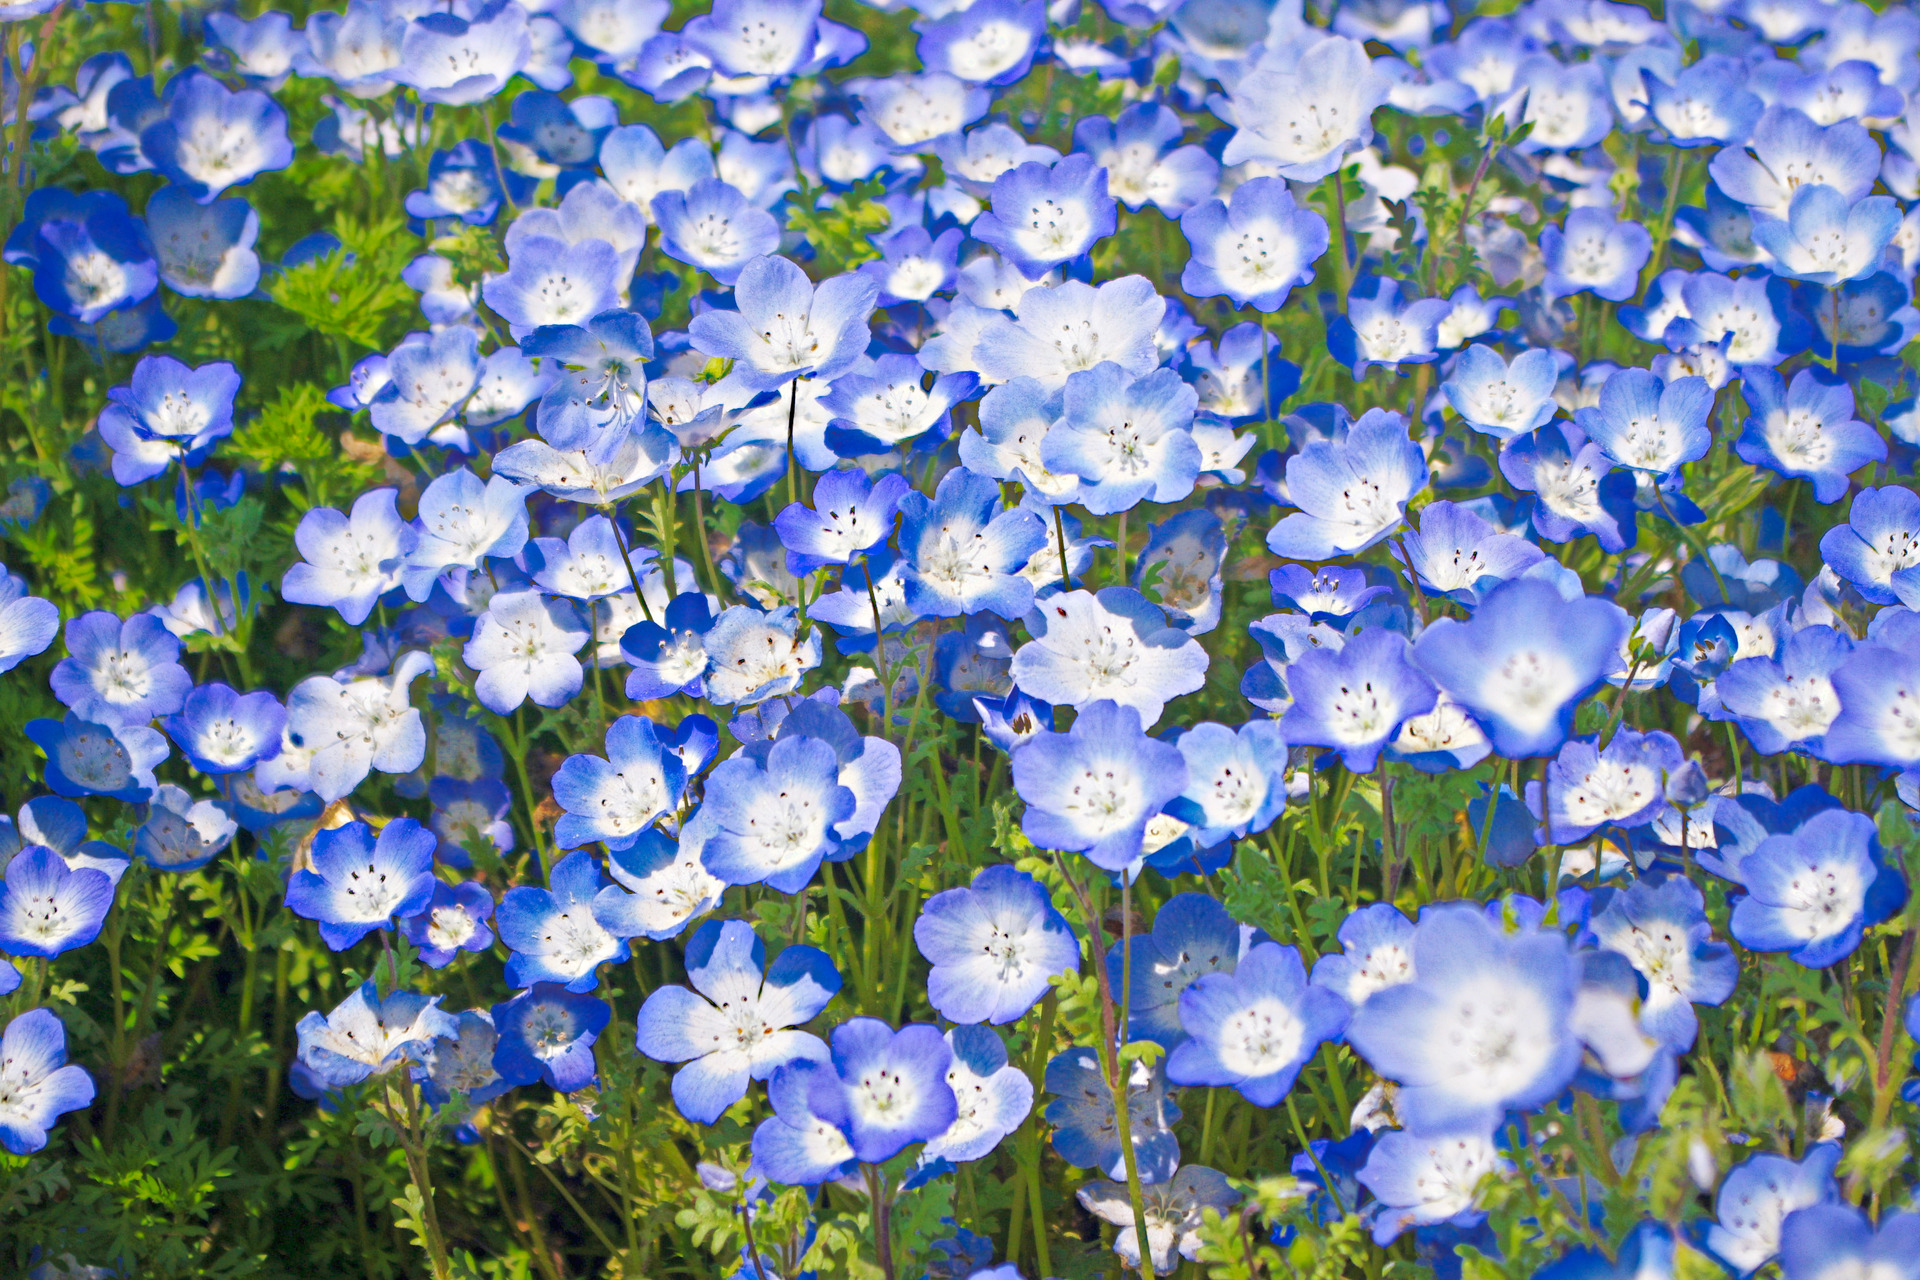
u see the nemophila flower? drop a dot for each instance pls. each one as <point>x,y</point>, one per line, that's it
<point>589,212</point>
<point>1576,489</point>
<point>547,1033</point>
<point>1879,541</point>
<point>887,408</point>
<point>120,673</point>
<point>1382,327</point>
<point>552,281</point>
<point>167,413</point>
<point>1759,1194</point>
<point>358,883</point>
<point>1423,1178</point>
<point>454,920</point>
<point>28,624</point>
<point>1143,163</point>
<point>994,946</point>
<point>1351,491</point>
<point>918,112</point>
<point>1859,319</point>
<point>470,814</point>
<point>89,256</point>
<point>358,50</point>
<point>1086,1132</point>
<point>1069,327</point>
<point>1705,103</point>
<point>851,516</point>
<point>47,907</point>
<point>523,648</point>
<point>638,167</point>
<point>1175,1212</point>
<point>1332,594</point>
<point>712,226</point>
<point>89,759</point>
<point>465,182</point>
<point>589,564</point>
<point>461,1062</point>
<point>787,328</point>
<point>1355,700</point>
<point>1253,1029</point>
<point>1043,215</point>
<point>1813,892</point>
<point>1823,1238</point>
<point>869,766</point>
<point>1786,153</point>
<point>427,382</point>
<point>1192,935</point>
<point>60,825</point>
<point>1181,564</point>
<point>1236,782</point>
<point>1567,106</point>
<point>1827,238</point>
<point>883,1089</point>
<point>1014,420</point>
<point>1482,1027</point>
<point>1125,437</point>
<point>670,656</point>
<point>794,1146</point>
<point>349,561</point>
<point>838,153</point>
<point>213,138</point>
<point>221,731</point>
<point>1305,118</point>
<point>1661,928</point>
<point>463,521</point>
<point>1787,701</point>
<point>1595,254</point>
<point>552,932</point>
<point>458,60</point>
<point>616,799</point>
<point>1114,645</point>
<point>1444,739</point>
<point>992,1097</point>
<point>756,656</point>
<point>963,553</point>
<point>353,727</point>
<point>738,1027</point>
<point>1623,784</point>
<point>992,43</point>
<point>1457,554</point>
<point>1376,952</point>
<point>1011,721</point>
<point>1243,380</point>
<point>1095,788</point>
<point>204,250</point>
<point>183,833</point>
<point>262,51</point>
<point>773,819</point>
<point>37,1083</point>
<point>1500,399</point>
<point>662,885</point>
<point>756,37</point>
<point>913,265</point>
<point>1806,430</point>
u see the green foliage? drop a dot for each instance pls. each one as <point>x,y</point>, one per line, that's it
<point>841,233</point>
<point>355,292</point>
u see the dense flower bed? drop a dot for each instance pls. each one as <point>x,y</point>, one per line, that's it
<point>998,639</point>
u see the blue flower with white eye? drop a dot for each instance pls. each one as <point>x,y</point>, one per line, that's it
<point>1376,952</point>
<point>1457,554</point>
<point>1181,565</point>
<point>1860,318</point>
<point>523,648</point>
<point>47,907</point>
<point>786,327</point>
<point>712,226</point>
<point>1112,645</point>
<point>1236,781</point>
<point>262,51</point>
<point>1355,700</point>
<point>887,408</point>
<point>1127,438</point>
<point>89,759</point>
<point>429,378</point>
<point>167,414</point>
<point>836,153</point>
<point>1429,1177</point>
<point>1827,238</point>
<point>616,799</point>
<point>1645,424</point>
<point>1305,115</point>
<point>1192,935</point>
<point>756,656</point>
<point>212,138</point>
<point>1482,1027</point>
<point>89,256</point>
<point>1094,788</point>
<point>995,946</point>
<point>1086,1132</point>
<point>1812,893</point>
<point>1015,418</point>
<point>37,1083</point>
<point>463,522</point>
<point>221,731</point>
<point>1822,1239</point>
<point>1706,103</point>
<point>366,1035</point>
<point>1661,928</point>
<point>1757,1197</point>
<point>669,656</point>
<point>918,112</point>
<point>990,43</point>
<point>1144,163</point>
<point>794,1145</point>
<point>547,1033</point>
<point>663,885</point>
<point>568,134</point>
<point>756,37</point>
<point>1244,380</point>
<point>1595,254</point>
<point>589,564</point>
<point>349,561</point>
<point>962,553</point>
<point>550,281</point>
<point>553,933</point>
<point>1332,594</point>
<point>1499,399</point>
<point>60,825</point>
<point>1254,248</point>
<point>461,1062</point>
<point>1577,491</point>
<point>774,819</point>
<point>1043,215</point>
<point>1175,1210</point>
<point>913,265</point>
<point>1620,785</point>
<point>992,1097</point>
<point>1787,701</point>
<point>358,50</point>
<point>869,766</point>
<point>469,814</point>
<point>738,1027</point>
<point>1116,321</point>
<point>463,182</point>
<point>1011,721</point>
<point>120,673</point>
<point>1253,1029</point>
<point>638,167</point>
<point>182,833</point>
<point>1806,430</point>
<point>359,883</point>
<point>1380,327</point>
<point>884,1089</point>
<point>1524,662</point>
<point>851,516</point>
<point>1878,544</point>
<point>204,250</point>
<point>457,61</point>
<point>1352,491</point>
<point>454,920</point>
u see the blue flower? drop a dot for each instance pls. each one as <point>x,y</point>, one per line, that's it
<point>738,1028</point>
<point>756,656</point>
<point>366,1035</point>
<point>37,1083</point>
<point>221,731</point>
<point>1822,1238</point>
<point>358,50</point>
<point>551,281</point>
<point>1595,254</point>
<point>349,561</point>
<point>1254,248</point>
<point>992,1097</point>
<point>885,1089</point>
<point>1116,321</point>
<point>1352,491</point>
<point>1127,438</point>
<point>1094,789</point>
<point>89,256</point>
<point>1827,238</point>
<point>1235,781</point>
<point>461,1062</point>
<point>204,250</point>
<point>1806,430</point>
<point>1114,645</point>
<point>1813,892</point>
<point>1192,935</point>
<point>1429,1176</point>
<point>547,1033</point>
<point>1457,554</point>
<point>213,138</point>
<point>669,656</point>
<point>1243,380</point>
<point>1181,564</point>
<point>774,819</point>
<point>463,522</point>
<point>1043,215</point>
<point>1649,425</point>
<point>120,673</point>
<point>616,799</point>
<point>994,946</point>
<point>1376,952</point>
<point>89,759</point>
<point>168,414</point>
<point>1175,1211</point>
<point>1661,928</point>
<point>990,43</point>
<point>756,37</point>
<point>359,884</point>
<point>1144,164</point>
<point>880,406</point>
<point>913,265</point>
<point>182,833</point>
<point>1305,116</point>
<point>47,907</point>
<point>851,516</point>
<point>1590,787</point>
<point>1355,699</point>
<point>1879,543</point>
<point>1787,701</point>
<point>1499,399</point>
<point>787,328</point>
<point>454,920</point>
<point>523,648</point>
<point>1086,1132</point>
<point>429,377</point>
<point>457,61</point>
<point>1576,489</point>
<point>1706,103</point>
<point>1482,1027</point>
<point>963,553</point>
<point>1254,1028</point>
<point>1859,319</point>
<point>553,932</point>
<point>918,112</point>
<point>463,182</point>
<point>710,225</point>
<point>1759,1194</point>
